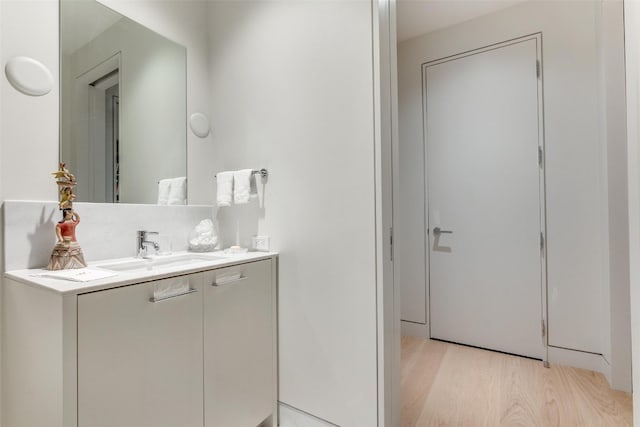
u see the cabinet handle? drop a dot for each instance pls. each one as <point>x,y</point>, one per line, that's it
<point>228,282</point>
<point>190,291</point>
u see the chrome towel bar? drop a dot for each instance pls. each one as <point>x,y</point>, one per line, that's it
<point>262,172</point>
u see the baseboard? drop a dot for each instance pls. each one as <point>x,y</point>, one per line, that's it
<point>580,359</point>
<point>557,355</point>
<point>292,417</point>
<point>411,329</point>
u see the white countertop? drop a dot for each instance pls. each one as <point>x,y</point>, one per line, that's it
<point>35,277</point>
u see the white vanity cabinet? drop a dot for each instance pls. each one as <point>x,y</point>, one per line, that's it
<point>239,346</point>
<point>113,354</point>
<point>140,359</point>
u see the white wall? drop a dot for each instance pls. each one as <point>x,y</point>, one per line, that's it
<point>576,161</point>
<point>153,127</point>
<point>29,131</point>
<point>292,91</point>
<point>632,54</point>
<point>30,124</point>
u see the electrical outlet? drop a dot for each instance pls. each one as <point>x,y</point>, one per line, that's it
<point>261,243</point>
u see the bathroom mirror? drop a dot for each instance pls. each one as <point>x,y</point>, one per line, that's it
<point>123,105</point>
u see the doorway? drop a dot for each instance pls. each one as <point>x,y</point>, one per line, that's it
<point>92,128</point>
<point>112,143</point>
<point>485,193</point>
<point>584,169</point>
<point>104,135</point>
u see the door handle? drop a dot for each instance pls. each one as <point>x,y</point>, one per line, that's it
<point>438,231</point>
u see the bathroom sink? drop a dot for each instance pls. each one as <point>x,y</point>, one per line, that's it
<point>181,259</point>
<point>157,262</point>
<point>128,265</point>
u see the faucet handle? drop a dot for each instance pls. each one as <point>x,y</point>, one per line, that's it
<point>143,241</point>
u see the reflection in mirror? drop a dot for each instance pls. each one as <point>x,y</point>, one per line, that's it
<point>123,107</point>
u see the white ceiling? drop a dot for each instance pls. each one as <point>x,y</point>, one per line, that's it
<point>83,21</point>
<point>416,17</point>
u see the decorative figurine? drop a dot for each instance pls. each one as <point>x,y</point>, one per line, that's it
<point>67,253</point>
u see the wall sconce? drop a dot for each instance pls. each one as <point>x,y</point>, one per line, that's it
<point>199,125</point>
<point>28,76</point>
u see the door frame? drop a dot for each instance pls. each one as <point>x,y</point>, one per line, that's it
<point>385,113</point>
<point>88,98</point>
<point>544,327</point>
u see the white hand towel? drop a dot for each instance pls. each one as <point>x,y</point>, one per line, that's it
<point>169,288</point>
<point>242,186</point>
<point>164,186</point>
<point>253,191</point>
<point>178,191</point>
<point>225,188</point>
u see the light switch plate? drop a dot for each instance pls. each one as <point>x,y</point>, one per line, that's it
<point>261,243</point>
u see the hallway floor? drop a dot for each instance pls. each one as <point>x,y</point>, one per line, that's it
<point>452,385</point>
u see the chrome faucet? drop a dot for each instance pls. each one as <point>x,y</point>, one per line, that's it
<point>143,242</point>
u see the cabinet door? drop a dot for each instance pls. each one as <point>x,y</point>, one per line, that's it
<point>239,385</point>
<point>140,361</point>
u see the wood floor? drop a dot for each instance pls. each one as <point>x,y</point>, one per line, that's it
<point>451,385</point>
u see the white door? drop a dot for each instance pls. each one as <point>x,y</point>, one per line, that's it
<point>484,195</point>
